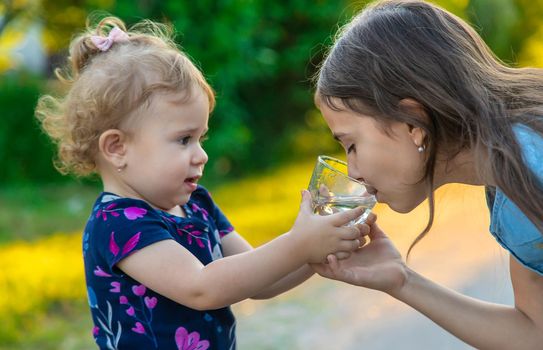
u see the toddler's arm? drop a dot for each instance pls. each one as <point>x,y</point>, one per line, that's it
<point>234,244</point>
<point>171,270</point>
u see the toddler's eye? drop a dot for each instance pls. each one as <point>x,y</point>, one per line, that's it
<point>184,140</point>
<point>351,149</point>
<point>203,139</point>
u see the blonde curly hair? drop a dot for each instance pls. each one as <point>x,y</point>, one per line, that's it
<point>105,88</point>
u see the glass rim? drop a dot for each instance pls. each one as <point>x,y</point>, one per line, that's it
<point>321,160</point>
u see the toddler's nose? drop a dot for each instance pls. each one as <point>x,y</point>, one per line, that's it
<point>200,157</point>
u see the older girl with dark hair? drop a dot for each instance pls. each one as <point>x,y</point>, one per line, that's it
<point>419,101</point>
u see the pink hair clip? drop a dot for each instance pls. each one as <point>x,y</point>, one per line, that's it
<point>104,43</point>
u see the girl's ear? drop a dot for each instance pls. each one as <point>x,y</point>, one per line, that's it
<point>414,108</point>
<point>112,146</point>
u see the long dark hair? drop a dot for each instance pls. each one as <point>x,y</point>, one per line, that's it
<point>395,49</point>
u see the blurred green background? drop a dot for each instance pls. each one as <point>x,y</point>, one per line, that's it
<point>264,134</point>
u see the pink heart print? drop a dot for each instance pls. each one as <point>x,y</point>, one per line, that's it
<point>138,328</point>
<point>150,302</point>
<point>130,311</point>
<point>139,290</point>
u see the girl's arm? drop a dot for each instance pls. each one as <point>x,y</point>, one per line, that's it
<point>233,244</point>
<point>171,270</point>
<point>378,265</point>
<point>481,324</point>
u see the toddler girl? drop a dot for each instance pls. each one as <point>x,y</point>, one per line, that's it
<point>162,263</point>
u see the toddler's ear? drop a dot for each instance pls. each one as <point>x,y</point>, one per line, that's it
<point>112,146</point>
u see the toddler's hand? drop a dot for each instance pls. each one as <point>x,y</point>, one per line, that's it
<point>364,229</point>
<point>319,236</point>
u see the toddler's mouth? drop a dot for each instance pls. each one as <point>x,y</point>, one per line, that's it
<point>193,179</point>
<point>191,183</point>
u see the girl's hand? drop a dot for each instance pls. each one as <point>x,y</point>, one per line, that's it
<point>377,265</point>
<point>319,236</point>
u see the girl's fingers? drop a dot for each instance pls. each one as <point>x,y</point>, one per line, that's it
<point>376,232</point>
<point>332,262</point>
<point>342,255</point>
<point>370,220</point>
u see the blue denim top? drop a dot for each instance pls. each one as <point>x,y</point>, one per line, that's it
<point>508,224</point>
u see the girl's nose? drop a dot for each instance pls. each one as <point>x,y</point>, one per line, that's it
<point>352,170</point>
<point>354,176</point>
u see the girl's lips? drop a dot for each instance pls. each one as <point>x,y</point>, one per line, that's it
<point>371,190</point>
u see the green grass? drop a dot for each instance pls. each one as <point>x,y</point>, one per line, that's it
<point>66,326</point>
<point>32,211</point>
<point>260,207</point>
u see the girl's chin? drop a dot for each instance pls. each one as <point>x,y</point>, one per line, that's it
<point>402,208</point>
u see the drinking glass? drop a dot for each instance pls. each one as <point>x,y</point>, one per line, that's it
<point>333,191</point>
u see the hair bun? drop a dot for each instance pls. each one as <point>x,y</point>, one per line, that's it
<point>82,49</point>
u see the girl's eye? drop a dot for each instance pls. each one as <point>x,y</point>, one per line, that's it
<point>184,140</point>
<point>203,139</point>
<point>351,149</point>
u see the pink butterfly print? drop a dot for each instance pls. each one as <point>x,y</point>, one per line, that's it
<point>168,218</point>
<point>128,247</point>
<point>205,214</point>
<point>226,231</point>
<point>108,209</point>
<point>100,212</point>
<point>115,287</point>
<point>195,207</point>
<point>113,247</point>
<point>100,273</point>
<point>186,341</point>
<point>190,234</point>
<point>197,239</point>
<point>133,213</point>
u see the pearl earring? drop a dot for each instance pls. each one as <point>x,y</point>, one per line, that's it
<point>420,149</point>
<point>119,169</point>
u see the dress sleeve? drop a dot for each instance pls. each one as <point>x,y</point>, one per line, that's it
<point>221,221</point>
<point>125,226</point>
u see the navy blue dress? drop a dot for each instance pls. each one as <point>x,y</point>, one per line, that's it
<point>126,314</point>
